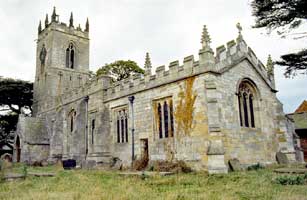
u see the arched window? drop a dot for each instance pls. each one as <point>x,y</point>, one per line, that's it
<point>72,116</point>
<point>70,56</point>
<point>164,117</point>
<point>246,103</point>
<point>122,125</point>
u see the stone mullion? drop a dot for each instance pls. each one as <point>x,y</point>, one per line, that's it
<point>248,111</point>
<point>124,126</point>
<point>242,109</point>
<point>120,127</point>
<point>162,119</point>
<point>169,119</point>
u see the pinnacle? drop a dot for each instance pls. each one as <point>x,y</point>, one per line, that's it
<point>205,38</point>
<point>87,25</point>
<point>270,65</point>
<point>147,64</point>
<point>71,20</point>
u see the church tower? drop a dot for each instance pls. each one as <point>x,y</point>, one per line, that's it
<point>62,61</point>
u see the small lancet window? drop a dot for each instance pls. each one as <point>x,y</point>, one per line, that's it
<point>246,105</point>
<point>72,116</point>
<point>70,56</point>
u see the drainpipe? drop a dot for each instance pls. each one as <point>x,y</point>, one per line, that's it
<point>131,99</point>
<point>86,127</point>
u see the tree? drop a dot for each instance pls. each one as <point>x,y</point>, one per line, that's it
<point>120,69</point>
<point>15,95</point>
<point>7,125</point>
<point>284,15</point>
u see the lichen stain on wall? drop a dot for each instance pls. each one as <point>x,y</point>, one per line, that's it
<point>185,107</point>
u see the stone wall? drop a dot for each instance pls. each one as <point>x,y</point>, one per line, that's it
<point>34,140</point>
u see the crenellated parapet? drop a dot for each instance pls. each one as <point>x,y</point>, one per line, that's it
<point>55,24</point>
<point>226,56</point>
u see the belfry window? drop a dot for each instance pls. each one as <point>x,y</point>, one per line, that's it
<point>164,119</point>
<point>246,105</point>
<point>121,125</point>
<point>70,56</point>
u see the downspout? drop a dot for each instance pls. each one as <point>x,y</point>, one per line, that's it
<point>86,126</point>
<point>131,99</point>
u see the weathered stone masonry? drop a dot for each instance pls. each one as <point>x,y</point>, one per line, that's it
<point>203,112</point>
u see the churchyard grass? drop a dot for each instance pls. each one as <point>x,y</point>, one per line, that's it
<point>97,184</point>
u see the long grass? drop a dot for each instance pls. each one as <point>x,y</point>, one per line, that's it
<point>95,184</point>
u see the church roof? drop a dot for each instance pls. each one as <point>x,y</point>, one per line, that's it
<point>302,107</point>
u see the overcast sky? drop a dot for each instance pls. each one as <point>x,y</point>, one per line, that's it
<point>127,29</point>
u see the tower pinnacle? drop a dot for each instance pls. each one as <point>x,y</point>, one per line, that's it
<point>205,38</point>
<point>54,15</point>
<point>46,21</point>
<point>39,27</point>
<point>71,20</point>
<point>239,27</point>
<point>87,25</point>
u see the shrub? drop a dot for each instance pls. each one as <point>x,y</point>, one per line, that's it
<point>168,166</point>
<point>25,170</point>
<point>255,167</point>
<point>291,180</point>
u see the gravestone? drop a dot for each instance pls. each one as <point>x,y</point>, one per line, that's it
<point>282,158</point>
<point>69,164</point>
<point>235,165</point>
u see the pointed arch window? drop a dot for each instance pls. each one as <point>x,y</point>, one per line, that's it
<point>72,117</point>
<point>121,126</point>
<point>246,104</point>
<point>70,56</point>
<point>164,118</point>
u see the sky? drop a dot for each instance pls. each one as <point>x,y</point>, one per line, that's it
<point>126,29</point>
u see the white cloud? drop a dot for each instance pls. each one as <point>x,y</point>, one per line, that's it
<point>126,29</point>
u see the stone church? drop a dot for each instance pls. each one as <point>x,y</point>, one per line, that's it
<point>203,111</point>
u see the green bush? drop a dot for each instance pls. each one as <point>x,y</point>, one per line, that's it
<point>291,180</point>
<point>255,167</point>
<point>25,170</point>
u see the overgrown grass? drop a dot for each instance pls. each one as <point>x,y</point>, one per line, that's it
<point>82,184</point>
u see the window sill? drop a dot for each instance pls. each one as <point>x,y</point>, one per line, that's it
<point>249,128</point>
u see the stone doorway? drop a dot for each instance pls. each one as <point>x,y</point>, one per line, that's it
<point>303,140</point>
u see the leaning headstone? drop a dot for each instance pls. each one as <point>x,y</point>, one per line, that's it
<point>235,165</point>
<point>116,164</point>
<point>281,158</point>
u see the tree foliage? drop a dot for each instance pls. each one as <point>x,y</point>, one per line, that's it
<point>284,15</point>
<point>120,69</point>
<point>7,125</point>
<point>15,95</point>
